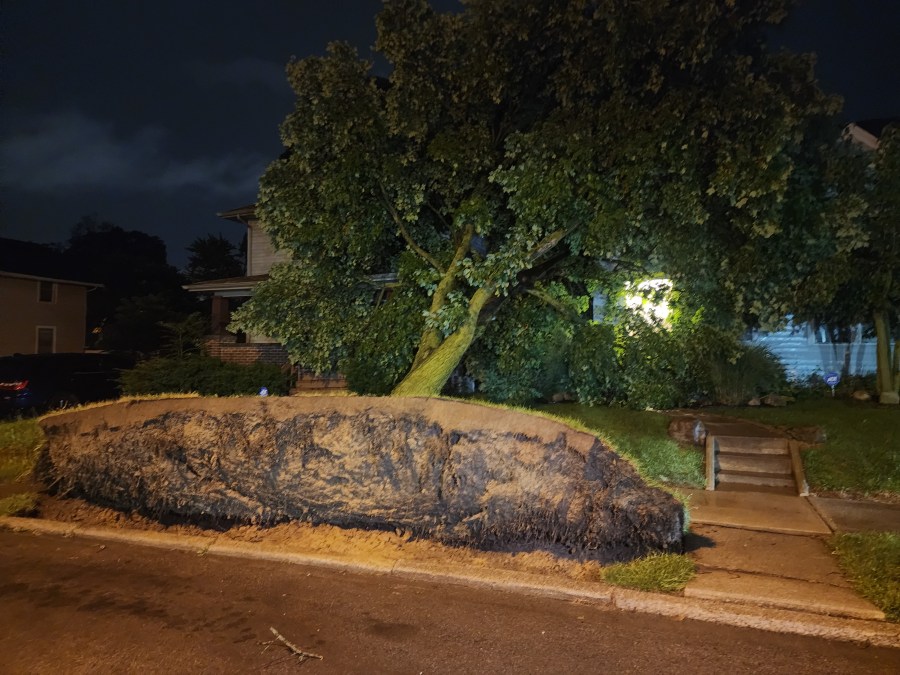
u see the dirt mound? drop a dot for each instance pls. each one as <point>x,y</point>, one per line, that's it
<point>458,473</point>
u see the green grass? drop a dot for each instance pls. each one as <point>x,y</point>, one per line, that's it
<point>21,504</point>
<point>665,572</point>
<point>19,444</point>
<point>872,561</point>
<point>643,437</point>
<point>862,454</point>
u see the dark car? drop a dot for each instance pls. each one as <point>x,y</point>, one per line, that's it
<point>33,383</point>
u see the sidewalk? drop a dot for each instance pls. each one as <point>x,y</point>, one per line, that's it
<point>769,550</point>
<point>762,563</point>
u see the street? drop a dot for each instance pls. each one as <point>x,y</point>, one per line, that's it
<point>82,606</point>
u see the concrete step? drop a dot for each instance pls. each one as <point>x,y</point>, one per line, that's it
<point>758,489</point>
<point>762,445</point>
<point>755,478</point>
<point>759,463</point>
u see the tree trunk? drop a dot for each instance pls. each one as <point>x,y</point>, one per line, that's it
<point>886,379</point>
<point>428,377</point>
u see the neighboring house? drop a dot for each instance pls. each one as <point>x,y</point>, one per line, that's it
<point>806,350</point>
<point>43,303</point>
<point>228,294</point>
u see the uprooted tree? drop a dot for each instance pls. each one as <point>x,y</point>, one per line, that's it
<point>528,146</point>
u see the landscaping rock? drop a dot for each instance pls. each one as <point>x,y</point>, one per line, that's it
<point>776,400</point>
<point>861,395</point>
<point>458,473</point>
<point>687,430</point>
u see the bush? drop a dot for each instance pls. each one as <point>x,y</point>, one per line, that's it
<point>523,353</point>
<point>752,372</point>
<point>653,364</point>
<point>593,370</point>
<point>204,375</point>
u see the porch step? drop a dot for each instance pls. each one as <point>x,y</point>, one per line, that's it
<point>757,489</point>
<point>762,445</point>
<point>755,463</point>
<point>756,478</point>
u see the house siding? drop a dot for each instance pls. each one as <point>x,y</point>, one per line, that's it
<point>802,356</point>
<point>261,255</point>
<point>21,313</point>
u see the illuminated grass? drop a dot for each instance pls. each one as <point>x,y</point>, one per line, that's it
<point>19,444</point>
<point>872,561</point>
<point>640,435</point>
<point>21,504</point>
<point>662,572</point>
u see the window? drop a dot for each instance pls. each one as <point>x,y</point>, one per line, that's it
<point>46,339</point>
<point>46,291</point>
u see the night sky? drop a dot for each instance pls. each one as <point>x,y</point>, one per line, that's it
<point>156,115</point>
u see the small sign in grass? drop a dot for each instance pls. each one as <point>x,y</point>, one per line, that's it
<point>665,572</point>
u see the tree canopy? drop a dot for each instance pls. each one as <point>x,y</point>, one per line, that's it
<point>140,288</point>
<point>213,257</point>
<point>532,147</point>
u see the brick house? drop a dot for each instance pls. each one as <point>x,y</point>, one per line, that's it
<point>43,303</point>
<point>228,294</point>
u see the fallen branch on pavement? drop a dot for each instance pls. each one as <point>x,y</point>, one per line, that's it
<point>294,648</point>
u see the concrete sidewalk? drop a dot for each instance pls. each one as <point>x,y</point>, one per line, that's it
<point>762,562</point>
<point>770,550</point>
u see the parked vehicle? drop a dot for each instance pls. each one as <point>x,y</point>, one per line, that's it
<point>34,383</point>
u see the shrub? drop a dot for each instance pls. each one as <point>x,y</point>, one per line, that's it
<point>523,353</point>
<point>653,365</point>
<point>753,371</point>
<point>593,370</point>
<point>205,375</point>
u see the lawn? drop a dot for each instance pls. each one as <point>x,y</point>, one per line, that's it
<point>19,444</point>
<point>642,436</point>
<point>872,561</point>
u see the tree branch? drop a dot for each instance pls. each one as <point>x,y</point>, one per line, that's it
<point>421,252</point>
<point>294,648</point>
<point>548,299</point>
<point>550,241</point>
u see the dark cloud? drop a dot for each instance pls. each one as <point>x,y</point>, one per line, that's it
<point>70,151</point>
<point>243,72</point>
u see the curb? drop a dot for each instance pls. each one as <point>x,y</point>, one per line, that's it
<point>724,611</point>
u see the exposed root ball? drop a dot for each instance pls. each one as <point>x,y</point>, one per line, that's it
<point>458,473</point>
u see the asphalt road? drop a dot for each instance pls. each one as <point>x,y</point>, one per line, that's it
<point>79,606</point>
